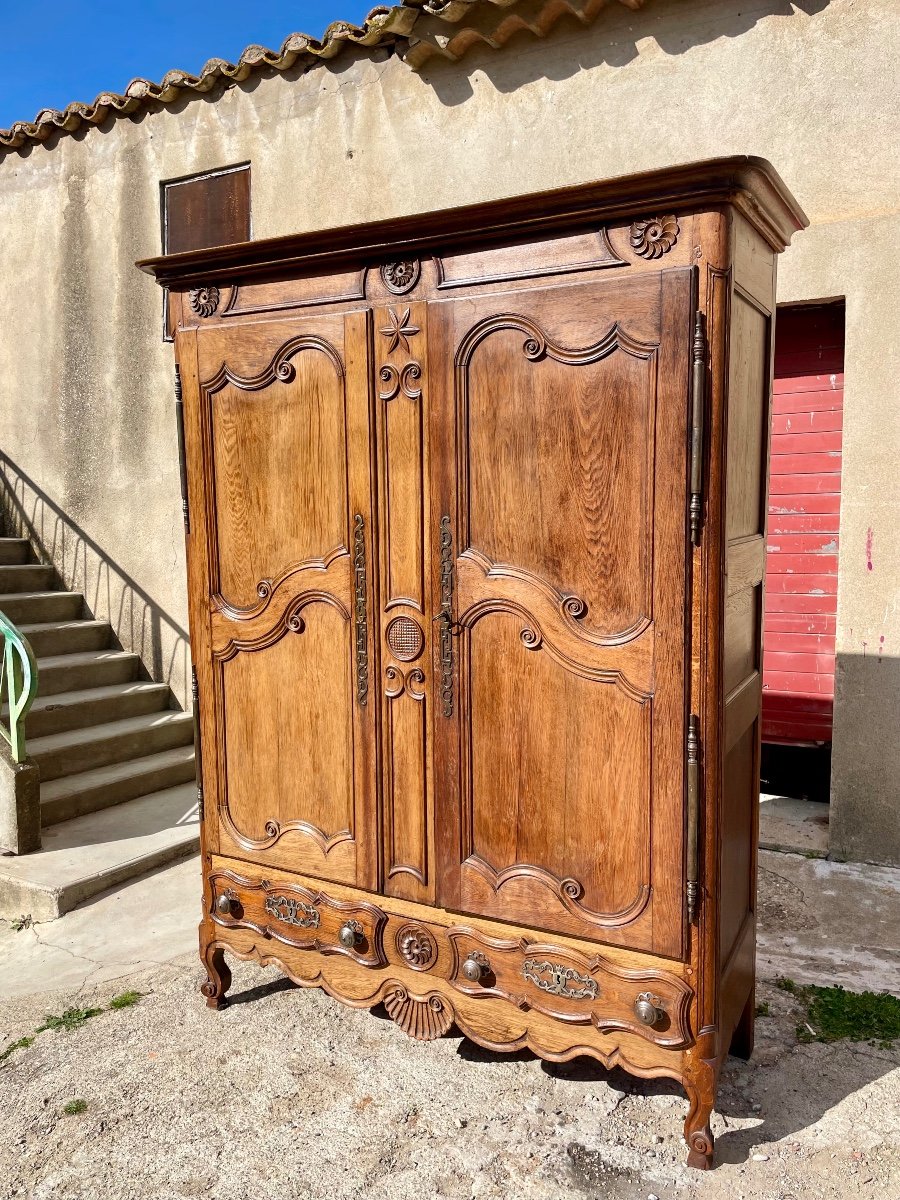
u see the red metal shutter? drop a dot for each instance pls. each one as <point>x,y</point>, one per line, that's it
<point>804,508</point>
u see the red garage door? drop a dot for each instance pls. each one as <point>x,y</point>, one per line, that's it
<point>804,506</point>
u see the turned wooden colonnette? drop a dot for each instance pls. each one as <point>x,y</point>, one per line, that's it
<point>475,510</point>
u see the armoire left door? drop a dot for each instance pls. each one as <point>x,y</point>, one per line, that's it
<point>277,429</point>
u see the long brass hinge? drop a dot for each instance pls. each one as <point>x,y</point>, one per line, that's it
<point>198,756</point>
<point>692,757</point>
<point>698,410</point>
<point>182,459</point>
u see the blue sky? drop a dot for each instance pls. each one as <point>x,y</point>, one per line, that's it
<point>67,51</point>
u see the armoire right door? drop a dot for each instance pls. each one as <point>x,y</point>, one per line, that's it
<point>559,421</point>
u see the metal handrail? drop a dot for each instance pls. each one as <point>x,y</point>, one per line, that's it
<point>18,686</point>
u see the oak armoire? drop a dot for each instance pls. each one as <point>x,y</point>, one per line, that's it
<point>475,510</point>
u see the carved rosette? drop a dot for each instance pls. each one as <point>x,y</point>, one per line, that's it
<point>400,277</point>
<point>416,947</point>
<point>423,1018</point>
<point>204,300</point>
<point>652,237</point>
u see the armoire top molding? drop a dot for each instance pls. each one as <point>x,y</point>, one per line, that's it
<point>750,184</point>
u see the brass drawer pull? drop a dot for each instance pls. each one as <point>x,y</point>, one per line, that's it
<point>648,1010</point>
<point>350,934</point>
<point>475,966</point>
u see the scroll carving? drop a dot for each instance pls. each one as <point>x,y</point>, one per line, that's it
<point>404,379</point>
<point>398,683</point>
<point>568,891</point>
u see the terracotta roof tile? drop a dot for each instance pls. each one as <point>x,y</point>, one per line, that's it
<point>420,29</point>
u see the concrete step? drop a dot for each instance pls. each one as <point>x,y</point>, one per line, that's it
<point>89,854</point>
<point>26,577</point>
<point>91,668</point>
<point>14,550</point>
<point>67,637</point>
<point>79,750</point>
<point>31,608</point>
<point>93,706</point>
<point>90,791</point>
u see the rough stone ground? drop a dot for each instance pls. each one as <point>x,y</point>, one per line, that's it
<point>288,1095</point>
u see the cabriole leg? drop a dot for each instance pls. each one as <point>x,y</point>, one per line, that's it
<point>701,1092</point>
<point>219,976</point>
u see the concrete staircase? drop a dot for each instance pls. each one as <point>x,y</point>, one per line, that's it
<point>116,761</point>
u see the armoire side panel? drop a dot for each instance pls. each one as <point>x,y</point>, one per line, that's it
<point>747,423</point>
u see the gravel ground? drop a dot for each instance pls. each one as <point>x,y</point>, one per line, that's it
<point>289,1095</point>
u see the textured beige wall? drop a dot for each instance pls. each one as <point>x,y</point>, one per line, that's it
<point>86,400</point>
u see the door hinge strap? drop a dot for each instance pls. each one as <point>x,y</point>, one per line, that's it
<point>198,756</point>
<point>692,755</point>
<point>182,458</point>
<point>698,410</point>
<point>445,616</point>
<point>362,623</point>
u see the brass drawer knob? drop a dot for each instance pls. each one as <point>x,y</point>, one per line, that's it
<point>350,934</point>
<point>647,1009</point>
<point>475,966</point>
<point>225,903</point>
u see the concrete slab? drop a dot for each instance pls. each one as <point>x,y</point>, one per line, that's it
<point>85,856</point>
<point>126,930</point>
<point>794,826</point>
<point>829,923</point>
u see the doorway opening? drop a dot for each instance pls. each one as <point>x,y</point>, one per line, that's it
<point>802,549</point>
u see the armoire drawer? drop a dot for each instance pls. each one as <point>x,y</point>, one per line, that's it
<point>572,987</point>
<point>298,916</point>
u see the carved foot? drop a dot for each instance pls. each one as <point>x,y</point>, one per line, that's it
<point>701,1091</point>
<point>742,1038</point>
<point>219,977</point>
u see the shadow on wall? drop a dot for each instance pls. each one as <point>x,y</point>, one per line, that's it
<point>138,622</point>
<point>675,29</point>
<point>865,766</point>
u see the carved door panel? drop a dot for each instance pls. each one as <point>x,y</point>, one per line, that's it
<point>278,432</point>
<point>560,494</point>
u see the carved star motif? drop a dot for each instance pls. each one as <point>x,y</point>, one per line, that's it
<point>399,331</point>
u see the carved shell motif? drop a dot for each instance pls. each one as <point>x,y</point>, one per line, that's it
<point>204,300</point>
<point>424,1019</point>
<point>654,236</point>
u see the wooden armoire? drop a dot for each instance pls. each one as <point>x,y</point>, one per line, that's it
<point>475,512</point>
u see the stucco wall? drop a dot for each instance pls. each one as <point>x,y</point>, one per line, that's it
<point>86,398</point>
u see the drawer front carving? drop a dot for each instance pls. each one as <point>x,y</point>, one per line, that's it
<point>300,917</point>
<point>571,986</point>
